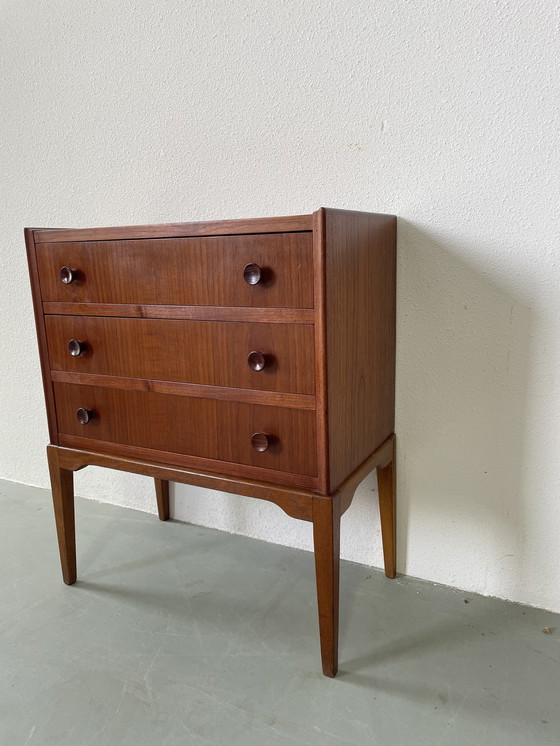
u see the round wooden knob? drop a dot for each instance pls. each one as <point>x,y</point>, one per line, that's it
<point>261,442</point>
<point>252,274</point>
<point>256,360</point>
<point>76,348</point>
<point>67,275</point>
<point>84,415</point>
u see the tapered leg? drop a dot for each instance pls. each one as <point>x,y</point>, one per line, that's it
<point>162,495</point>
<point>326,538</point>
<point>386,483</point>
<point>62,485</point>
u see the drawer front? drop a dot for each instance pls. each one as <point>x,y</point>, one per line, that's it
<point>206,352</point>
<point>206,428</point>
<point>182,271</point>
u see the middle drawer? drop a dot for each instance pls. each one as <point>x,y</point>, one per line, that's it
<point>214,353</point>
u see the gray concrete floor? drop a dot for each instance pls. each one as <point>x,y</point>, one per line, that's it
<point>176,634</point>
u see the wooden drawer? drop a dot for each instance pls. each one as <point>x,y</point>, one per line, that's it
<point>204,428</point>
<point>205,352</point>
<point>182,271</point>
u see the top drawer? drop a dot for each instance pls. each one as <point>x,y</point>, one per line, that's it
<point>182,271</point>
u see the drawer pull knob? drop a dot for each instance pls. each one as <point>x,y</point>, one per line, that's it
<point>256,360</point>
<point>67,275</point>
<point>84,415</point>
<point>76,348</point>
<point>252,274</point>
<point>261,442</point>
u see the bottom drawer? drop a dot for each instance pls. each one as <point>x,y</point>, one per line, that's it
<point>206,428</point>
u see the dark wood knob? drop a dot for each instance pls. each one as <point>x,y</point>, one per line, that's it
<point>84,415</point>
<point>67,275</point>
<point>76,348</point>
<point>252,274</point>
<point>261,442</point>
<point>256,360</point>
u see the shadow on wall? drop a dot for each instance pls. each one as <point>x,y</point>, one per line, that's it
<point>463,350</point>
<point>462,374</point>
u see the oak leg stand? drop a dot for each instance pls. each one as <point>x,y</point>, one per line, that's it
<point>327,512</point>
<point>162,496</point>
<point>324,511</point>
<point>62,485</point>
<point>386,486</point>
<point>326,540</point>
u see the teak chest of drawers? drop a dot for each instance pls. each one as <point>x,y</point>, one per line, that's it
<point>249,356</point>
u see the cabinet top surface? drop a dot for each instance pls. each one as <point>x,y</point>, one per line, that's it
<point>290,223</point>
<point>177,230</point>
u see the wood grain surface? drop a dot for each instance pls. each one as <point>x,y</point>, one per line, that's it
<point>197,390</point>
<point>321,380</point>
<point>179,460</point>
<point>182,271</point>
<point>296,502</point>
<point>62,486</point>
<point>199,352</point>
<point>162,498</point>
<point>41,334</point>
<point>195,313</point>
<point>360,296</point>
<point>326,543</point>
<point>206,428</point>
<point>285,224</point>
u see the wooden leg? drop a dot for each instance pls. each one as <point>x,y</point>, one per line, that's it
<point>62,485</point>
<point>386,483</point>
<point>326,538</point>
<point>162,495</point>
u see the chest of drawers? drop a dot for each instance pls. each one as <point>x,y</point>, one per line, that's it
<point>250,356</point>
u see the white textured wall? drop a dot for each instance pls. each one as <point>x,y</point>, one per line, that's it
<point>445,113</point>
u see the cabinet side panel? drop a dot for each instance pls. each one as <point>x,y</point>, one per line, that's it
<point>41,334</point>
<point>360,339</point>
